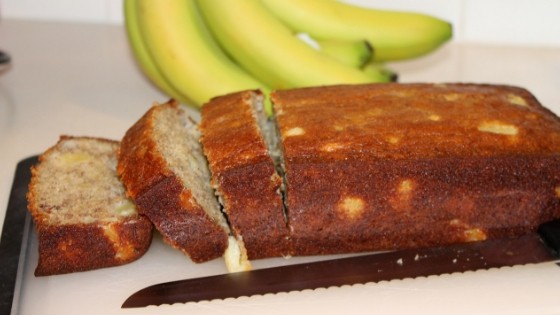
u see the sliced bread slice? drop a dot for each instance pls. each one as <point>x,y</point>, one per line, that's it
<point>163,168</point>
<point>82,216</point>
<point>238,143</point>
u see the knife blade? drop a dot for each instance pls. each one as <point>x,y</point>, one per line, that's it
<point>541,246</point>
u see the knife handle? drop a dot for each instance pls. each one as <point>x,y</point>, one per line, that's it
<point>550,234</point>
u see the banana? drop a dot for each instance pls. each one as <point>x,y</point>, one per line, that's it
<point>380,69</point>
<point>186,54</point>
<point>269,50</point>
<point>353,53</point>
<point>357,54</point>
<point>394,35</point>
<point>140,51</point>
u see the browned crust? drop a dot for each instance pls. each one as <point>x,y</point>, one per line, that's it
<point>439,182</point>
<point>181,221</point>
<point>448,199</point>
<point>160,195</point>
<point>140,165</point>
<point>244,174</point>
<point>80,247</point>
<point>74,248</point>
<point>255,210</point>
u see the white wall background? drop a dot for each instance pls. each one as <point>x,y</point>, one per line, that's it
<point>509,22</point>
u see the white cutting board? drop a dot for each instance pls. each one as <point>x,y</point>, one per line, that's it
<point>531,289</point>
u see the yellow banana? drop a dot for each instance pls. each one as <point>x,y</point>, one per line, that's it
<point>394,35</point>
<point>269,50</point>
<point>352,53</point>
<point>186,54</point>
<point>140,51</point>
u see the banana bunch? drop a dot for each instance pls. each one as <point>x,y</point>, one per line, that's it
<point>194,50</point>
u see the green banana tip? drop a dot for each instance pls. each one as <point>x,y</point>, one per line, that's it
<point>369,47</point>
<point>448,34</point>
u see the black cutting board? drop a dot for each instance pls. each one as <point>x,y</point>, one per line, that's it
<point>16,228</point>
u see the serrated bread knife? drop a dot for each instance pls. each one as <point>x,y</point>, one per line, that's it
<point>541,246</point>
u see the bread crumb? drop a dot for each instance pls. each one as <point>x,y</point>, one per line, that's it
<point>406,186</point>
<point>351,207</point>
<point>296,131</point>
<point>434,117</point>
<point>400,262</point>
<point>557,191</point>
<point>393,139</point>
<point>331,147</point>
<point>498,127</point>
<point>455,222</point>
<point>451,97</point>
<point>474,234</point>
<point>517,100</point>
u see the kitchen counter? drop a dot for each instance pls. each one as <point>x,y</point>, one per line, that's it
<point>81,79</point>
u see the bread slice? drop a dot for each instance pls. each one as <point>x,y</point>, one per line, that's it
<point>163,168</point>
<point>386,166</point>
<point>82,216</point>
<point>238,142</point>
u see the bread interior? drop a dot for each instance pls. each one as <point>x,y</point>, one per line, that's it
<point>177,136</point>
<point>77,183</point>
<point>271,134</point>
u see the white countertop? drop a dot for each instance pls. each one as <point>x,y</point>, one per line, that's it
<point>80,79</point>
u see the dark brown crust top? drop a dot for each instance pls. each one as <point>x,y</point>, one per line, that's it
<point>385,166</point>
<point>414,121</point>
<point>229,132</point>
<point>160,195</point>
<point>81,247</point>
<point>244,174</point>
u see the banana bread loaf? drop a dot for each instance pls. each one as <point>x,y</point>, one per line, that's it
<point>163,168</point>
<point>236,141</point>
<point>386,166</point>
<point>82,216</point>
